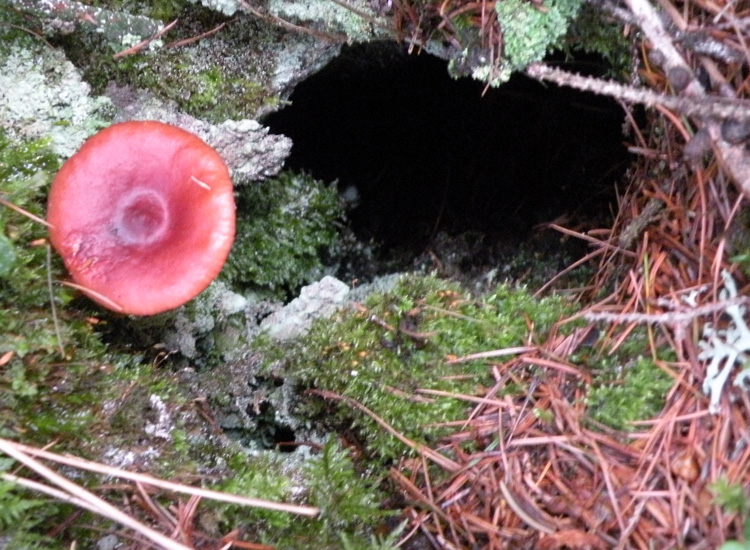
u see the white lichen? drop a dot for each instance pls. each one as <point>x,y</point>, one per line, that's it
<point>227,7</point>
<point>334,17</point>
<point>162,427</point>
<point>42,95</point>
<point>724,348</point>
<point>316,301</point>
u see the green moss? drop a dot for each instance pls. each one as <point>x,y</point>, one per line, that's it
<point>34,384</point>
<point>399,342</point>
<point>349,503</point>
<point>592,33</point>
<point>627,386</point>
<point>344,497</point>
<point>225,76</point>
<point>732,497</point>
<point>284,226</point>
<point>25,170</point>
<point>22,514</point>
<point>261,476</point>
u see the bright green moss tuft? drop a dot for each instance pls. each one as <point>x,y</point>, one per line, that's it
<point>627,386</point>
<point>345,498</point>
<point>284,226</point>
<point>25,170</point>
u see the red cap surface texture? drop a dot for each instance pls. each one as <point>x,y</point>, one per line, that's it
<point>143,216</point>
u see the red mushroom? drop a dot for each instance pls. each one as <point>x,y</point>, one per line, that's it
<point>143,216</point>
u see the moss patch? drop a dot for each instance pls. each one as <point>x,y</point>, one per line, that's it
<point>350,502</point>
<point>220,77</point>
<point>627,386</point>
<point>284,226</point>
<point>398,342</point>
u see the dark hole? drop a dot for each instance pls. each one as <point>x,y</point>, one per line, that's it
<point>427,153</point>
<point>269,433</point>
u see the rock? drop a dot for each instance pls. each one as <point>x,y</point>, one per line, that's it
<point>315,301</point>
<point>42,95</point>
<point>250,152</point>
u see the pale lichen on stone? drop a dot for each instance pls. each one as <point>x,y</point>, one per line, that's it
<point>227,7</point>
<point>42,95</point>
<point>65,16</point>
<point>316,301</point>
<point>333,16</point>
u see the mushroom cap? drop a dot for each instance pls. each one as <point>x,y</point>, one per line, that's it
<point>143,216</point>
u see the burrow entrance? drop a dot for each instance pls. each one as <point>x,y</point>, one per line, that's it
<point>422,153</point>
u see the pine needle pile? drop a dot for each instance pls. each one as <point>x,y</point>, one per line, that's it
<point>533,468</point>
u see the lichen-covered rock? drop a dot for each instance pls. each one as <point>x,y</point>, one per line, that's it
<point>250,152</point>
<point>248,149</point>
<point>355,22</point>
<point>318,300</point>
<point>42,96</point>
<point>119,28</point>
<point>297,59</point>
<point>217,314</point>
<point>227,7</point>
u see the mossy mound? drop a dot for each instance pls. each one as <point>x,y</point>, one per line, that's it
<point>384,352</point>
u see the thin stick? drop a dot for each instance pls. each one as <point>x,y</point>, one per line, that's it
<point>92,502</point>
<point>138,47</point>
<point>171,486</point>
<point>55,320</point>
<point>186,41</point>
<point>489,354</point>
<point>439,459</point>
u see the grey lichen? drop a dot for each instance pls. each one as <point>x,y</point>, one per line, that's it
<point>330,16</point>
<point>42,95</point>
<point>227,7</point>
<point>723,348</point>
<point>198,329</point>
<point>316,301</point>
<point>120,29</point>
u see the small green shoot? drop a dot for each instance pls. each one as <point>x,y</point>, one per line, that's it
<point>733,498</point>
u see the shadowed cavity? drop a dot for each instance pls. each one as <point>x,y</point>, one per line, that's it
<point>425,153</point>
